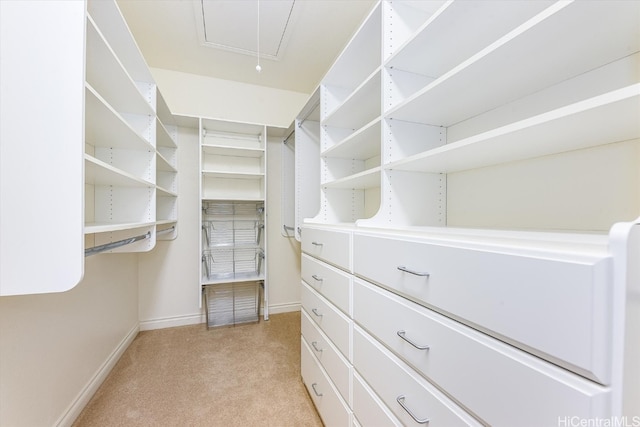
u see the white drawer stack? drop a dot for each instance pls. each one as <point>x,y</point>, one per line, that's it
<point>327,327</point>
<point>454,333</point>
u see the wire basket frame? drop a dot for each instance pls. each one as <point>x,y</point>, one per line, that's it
<point>232,303</point>
<point>234,263</point>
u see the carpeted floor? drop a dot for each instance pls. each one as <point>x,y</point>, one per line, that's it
<point>189,376</point>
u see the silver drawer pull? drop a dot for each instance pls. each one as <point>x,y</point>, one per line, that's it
<point>316,243</point>
<point>400,400</point>
<point>315,346</point>
<point>401,334</point>
<point>315,311</point>
<point>313,386</point>
<point>415,273</point>
<point>317,278</point>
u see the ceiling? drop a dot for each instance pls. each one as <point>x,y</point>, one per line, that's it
<point>299,39</point>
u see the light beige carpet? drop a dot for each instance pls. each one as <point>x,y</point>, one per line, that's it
<point>245,375</point>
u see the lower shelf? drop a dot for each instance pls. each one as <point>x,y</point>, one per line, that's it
<point>232,303</point>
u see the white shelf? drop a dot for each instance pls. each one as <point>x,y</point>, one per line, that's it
<point>102,227</point>
<point>366,179</point>
<point>163,192</point>
<point>164,138</point>
<point>233,278</point>
<point>517,64</point>
<point>360,108</point>
<point>360,57</point>
<point>106,128</point>
<point>607,118</point>
<point>221,150</point>
<point>98,172</point>
<point>232,175</point>
<point>362,144</point>
<point>163,164</point>
<point>455,32</point>
<point>112,24</point>
<point>106,74</point>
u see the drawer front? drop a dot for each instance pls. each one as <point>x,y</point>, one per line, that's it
<point>556,308</point>
<point>331,283</point>
<point>464,362</point>
<point>368,409</point>
<point>330,358</point>
<point>329,319</point>
<point>331,246</point>
<point>397,384</point>
<point>332,409</point>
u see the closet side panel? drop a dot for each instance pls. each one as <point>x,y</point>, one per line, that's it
<point>41,146</point>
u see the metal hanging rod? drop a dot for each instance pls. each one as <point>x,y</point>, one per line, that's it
<point>166,230</point>
<point>287,138</point>
<point>306,116</point>
<point>113,245</point>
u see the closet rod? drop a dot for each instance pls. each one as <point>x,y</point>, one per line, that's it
<point>287,138</point>
<point>113,245</point>
<point>166,230</point>
<point>306,116</point>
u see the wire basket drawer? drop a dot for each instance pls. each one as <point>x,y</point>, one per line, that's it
<point>232,263</point>
<point>231,232</point>
<point>232,303</point>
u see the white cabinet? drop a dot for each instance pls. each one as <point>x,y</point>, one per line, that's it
<point>102,140</point>
<point>233,203</point>
<point>483,159</point>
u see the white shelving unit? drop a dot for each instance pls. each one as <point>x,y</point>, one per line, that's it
<point>130,140</point>
<point>300,168</point>
<point>233,202</point>
<point>104,127</point>
<point>501,128</point>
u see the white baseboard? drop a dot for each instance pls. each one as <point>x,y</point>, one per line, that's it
<point>195,319</point>
<point>170,322</point>
<point>74,410</point>
<point>284,308</point>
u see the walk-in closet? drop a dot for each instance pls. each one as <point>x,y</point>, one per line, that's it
<point>356,213</point>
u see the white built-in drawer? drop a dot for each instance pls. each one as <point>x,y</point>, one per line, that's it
<point>554,305</point>
<point>329,319</point>
<point>501,384</point>
<point>368,409</point>
<point>331,246</point>
<point>397,385</point>
<point>330,282</point>
<point>332,409</point>
<point>337,367</point>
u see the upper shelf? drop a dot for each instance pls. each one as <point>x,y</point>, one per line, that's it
<point>606,118</point>
<point>112,24</point>
<point>526,60</point>
<point>107,75</point>
<point>457,31</point>
<point>360,57</point>
<point>105,127</point>
<point>360,107</point>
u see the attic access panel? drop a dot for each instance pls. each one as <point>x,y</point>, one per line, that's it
<point>233,25</point>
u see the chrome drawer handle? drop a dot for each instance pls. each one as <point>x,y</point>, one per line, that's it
<point>400,400</point>
<point>317,278</point>
<point>313,386</point>
<point>316,243</point>
<point>315,311</point>
<point>315,346</point>
<point>401,334</point>
<point>415,273</point>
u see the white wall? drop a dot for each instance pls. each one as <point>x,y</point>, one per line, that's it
<point>168,275</point>
<point>192,95</point>
<point>54,347</point>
